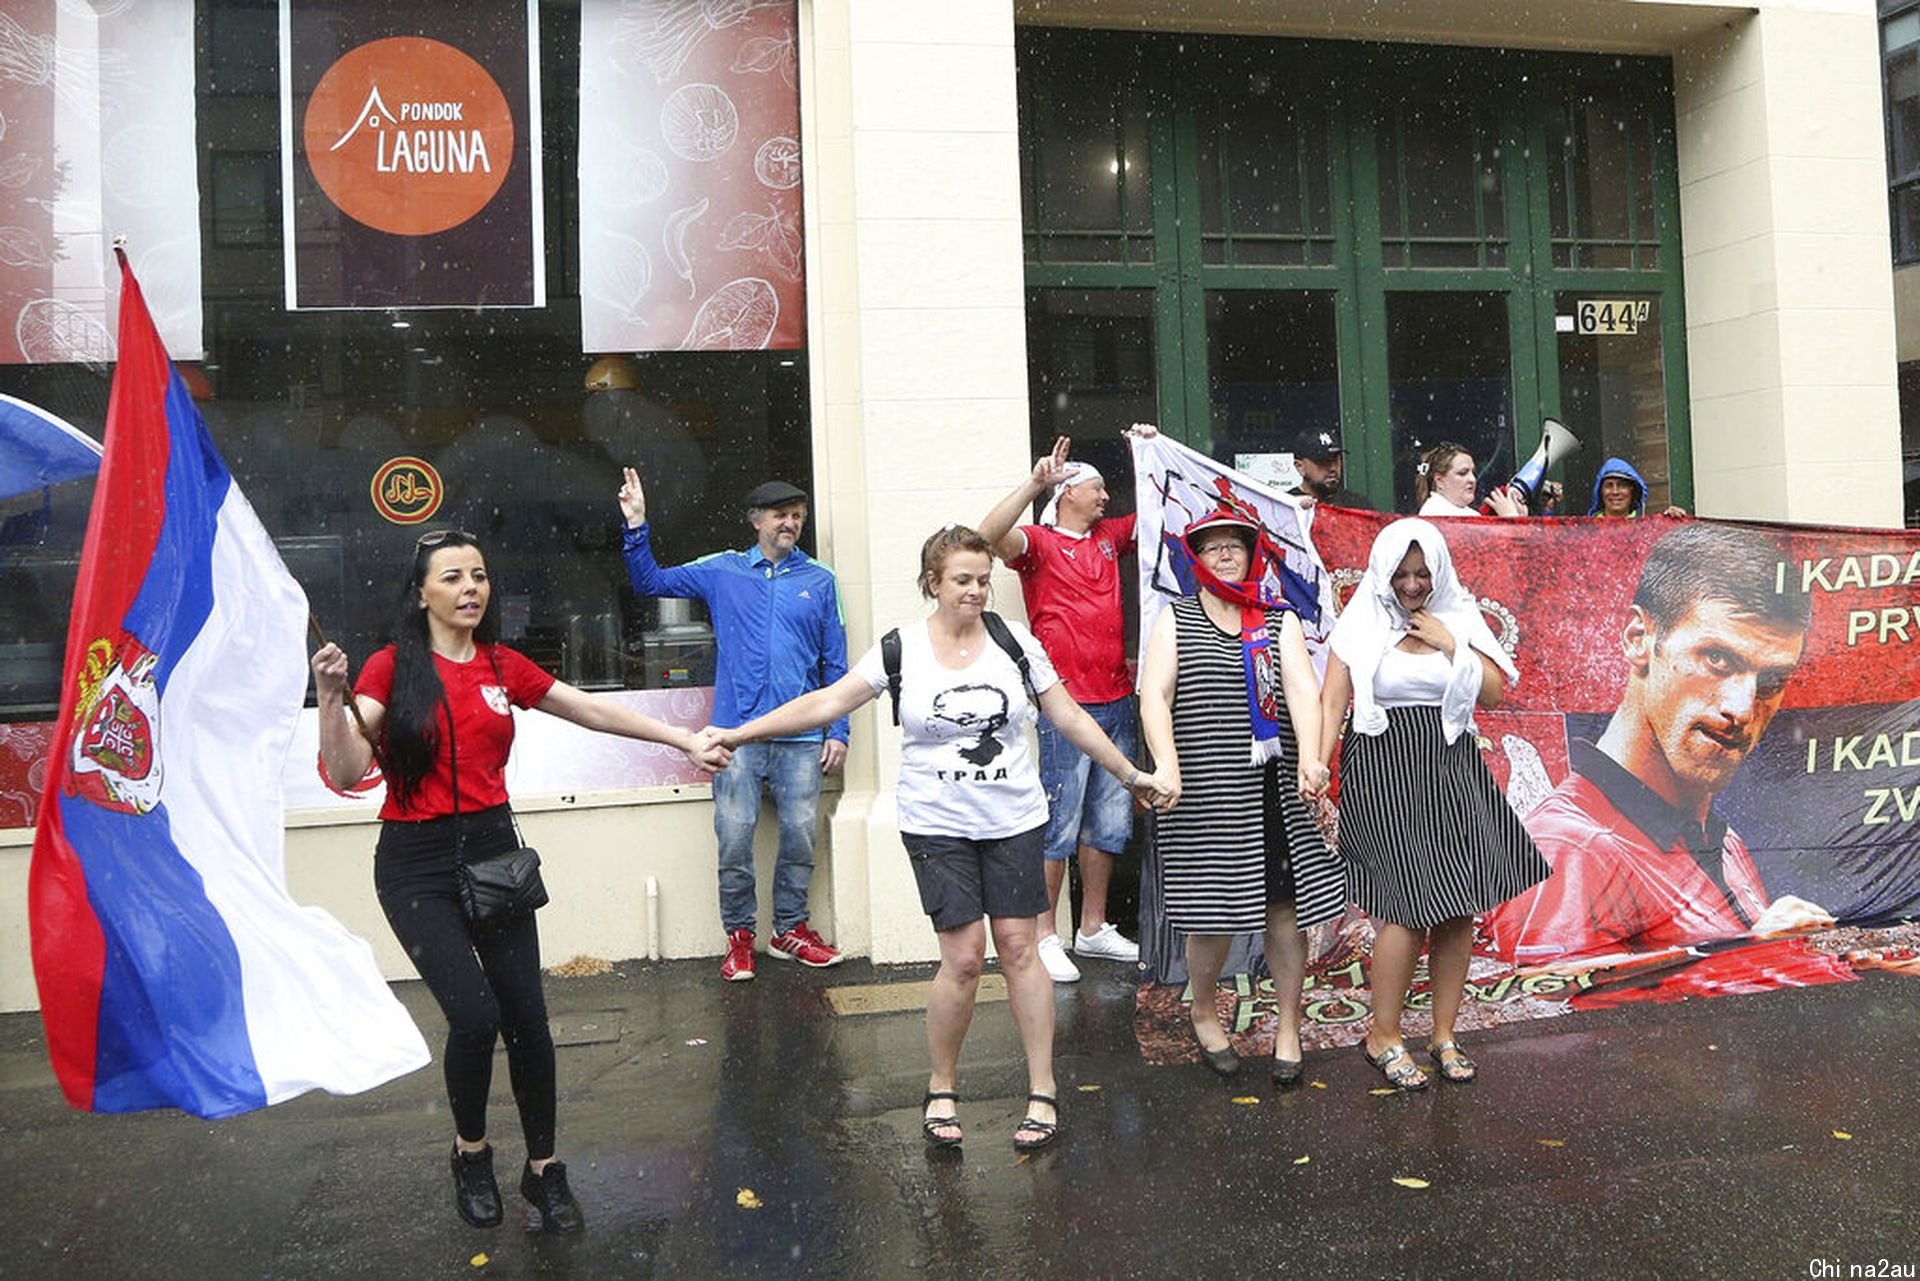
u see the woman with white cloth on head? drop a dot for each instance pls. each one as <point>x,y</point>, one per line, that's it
<point>1428,839</point>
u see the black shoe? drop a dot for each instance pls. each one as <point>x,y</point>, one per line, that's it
<point>475,1194</point>
<point>1223,1061</point>
<point>547,1192</point>
<point>1287,1073</point>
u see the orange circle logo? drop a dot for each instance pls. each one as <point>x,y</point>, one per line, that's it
<point>407,490</point>
<point>408,135</point>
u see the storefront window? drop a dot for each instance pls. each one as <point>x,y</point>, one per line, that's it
<point>307,407</point>
<point>1600,187</point>
<point>1086,175</point>
<point>1264,178</point>
<point>1441,201</point>
<point>1273,370</point>
<point>1090,370</point>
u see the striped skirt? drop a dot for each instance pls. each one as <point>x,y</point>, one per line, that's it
<point>1424,831</point>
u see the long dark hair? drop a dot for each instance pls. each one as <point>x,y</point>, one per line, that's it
<point>411,735</point>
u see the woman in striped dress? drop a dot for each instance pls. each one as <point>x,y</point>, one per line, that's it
<point>1428,839</point>
<point>1241,852</point>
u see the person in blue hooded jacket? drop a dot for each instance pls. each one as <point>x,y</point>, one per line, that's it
<point>1621,492</point>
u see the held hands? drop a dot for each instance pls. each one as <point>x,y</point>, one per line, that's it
<point>1158,791</point>
<point>1431,630</point>
<point>329,664</point>
<point>1050,469</point>
<point>707,750</point>
<point>633,499</point>
<point>1315,779</point>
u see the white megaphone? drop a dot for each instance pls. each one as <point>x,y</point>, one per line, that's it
<point>1556,443</point>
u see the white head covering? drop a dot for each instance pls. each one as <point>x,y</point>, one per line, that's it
<point>1076,472</point>
<point>1373,622</point>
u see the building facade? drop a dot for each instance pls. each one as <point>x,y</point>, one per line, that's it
<point>1664,223</point>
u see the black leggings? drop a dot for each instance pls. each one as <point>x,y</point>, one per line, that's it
<point>486,978</point>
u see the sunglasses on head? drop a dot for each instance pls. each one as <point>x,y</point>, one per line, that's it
<point>434,537</point>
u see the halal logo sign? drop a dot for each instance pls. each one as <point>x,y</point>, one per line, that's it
<point>408,135</point>
<point>407,490</point>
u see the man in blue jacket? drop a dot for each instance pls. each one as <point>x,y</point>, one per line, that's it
<point>776,618</point>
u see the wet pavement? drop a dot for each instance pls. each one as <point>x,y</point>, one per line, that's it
<point>1696,1139</point>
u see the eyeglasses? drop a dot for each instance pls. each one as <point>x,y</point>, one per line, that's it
<point>434,537</point>
<point>1228,545</point>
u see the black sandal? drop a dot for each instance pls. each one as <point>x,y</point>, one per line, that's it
<point>930,1126</point>
<point>1047,1130</point>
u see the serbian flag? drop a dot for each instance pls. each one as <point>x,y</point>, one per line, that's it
<point>1174,486</point>
<point>174,969</point>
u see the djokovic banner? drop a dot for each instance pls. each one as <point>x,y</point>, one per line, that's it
<point>1715,741</point>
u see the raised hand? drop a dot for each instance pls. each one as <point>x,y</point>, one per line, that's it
<point>1505,503</point>
<point>1050,469</point>
<point>1145,431</point>
<point>633,499</point>
<point>329,664</point>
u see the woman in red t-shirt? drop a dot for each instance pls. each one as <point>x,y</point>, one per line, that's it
<point>446,686</point>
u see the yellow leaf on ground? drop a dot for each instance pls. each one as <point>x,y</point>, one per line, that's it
<point>1301,1160</point>
<point>1247,1100</point>
<point>1552,1143</point>
<point>479,1260</point>
<point>1318,1085</point>
<point>747,1200</point>
<point>1412,1183</point>
<point>1385,1089</point>
<point>1089,1089</point>
<point>1841,1134</point>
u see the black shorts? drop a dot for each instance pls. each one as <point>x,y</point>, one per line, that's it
<point>962,880</point>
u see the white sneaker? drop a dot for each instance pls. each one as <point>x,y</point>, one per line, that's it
<point>1108,943</point>
<point>1053,955</point>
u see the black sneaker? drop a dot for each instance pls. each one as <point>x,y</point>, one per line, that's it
<point>547,1192</point>
<point>475,1194</point>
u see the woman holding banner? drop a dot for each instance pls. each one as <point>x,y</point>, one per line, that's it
<point>1229,706</point>
<point>435,709</point>
<point>1428,839</point>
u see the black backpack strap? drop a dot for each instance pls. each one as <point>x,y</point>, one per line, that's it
<point>1003,637</point>
<point>890,660</point>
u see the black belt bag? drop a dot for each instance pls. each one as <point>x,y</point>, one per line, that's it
<point>499,886</point>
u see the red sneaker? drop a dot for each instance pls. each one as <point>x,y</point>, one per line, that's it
<point>738,966</point>
<point>801,944</point>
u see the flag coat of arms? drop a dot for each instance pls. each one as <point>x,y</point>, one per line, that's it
<point>174,968</point>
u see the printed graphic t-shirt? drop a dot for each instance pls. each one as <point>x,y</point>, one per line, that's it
<point>1072,587</point>
<point>483,706</point>
<point>965,766</point>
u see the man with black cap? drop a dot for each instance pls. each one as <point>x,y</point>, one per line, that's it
<point>776,618</point>
<point>1319,459</point>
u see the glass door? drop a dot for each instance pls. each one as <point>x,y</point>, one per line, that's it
<point>1449,378</point>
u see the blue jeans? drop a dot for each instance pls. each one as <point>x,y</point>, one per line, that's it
<point>1085,804</point>
<point>791,771</point>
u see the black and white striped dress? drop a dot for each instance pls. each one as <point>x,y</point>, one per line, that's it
<point>1425,832</point>
<point>1214,845</point>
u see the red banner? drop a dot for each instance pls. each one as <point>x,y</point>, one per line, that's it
<point>690,231</point>
<point>1714,742</point>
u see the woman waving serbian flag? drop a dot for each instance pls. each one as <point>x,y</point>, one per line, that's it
<point>174,969</point>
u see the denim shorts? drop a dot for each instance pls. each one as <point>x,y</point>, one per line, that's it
<point>962,880</point>
<point>1085,804</point>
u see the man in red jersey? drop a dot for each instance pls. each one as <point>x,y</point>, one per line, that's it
<point>1069,567</point>
<point>1641,861</point>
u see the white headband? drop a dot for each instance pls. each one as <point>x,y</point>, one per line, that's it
<point>1076,473</point>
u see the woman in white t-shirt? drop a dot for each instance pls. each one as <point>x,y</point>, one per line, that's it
<point>971,809</point>
<point>1446,484</point>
